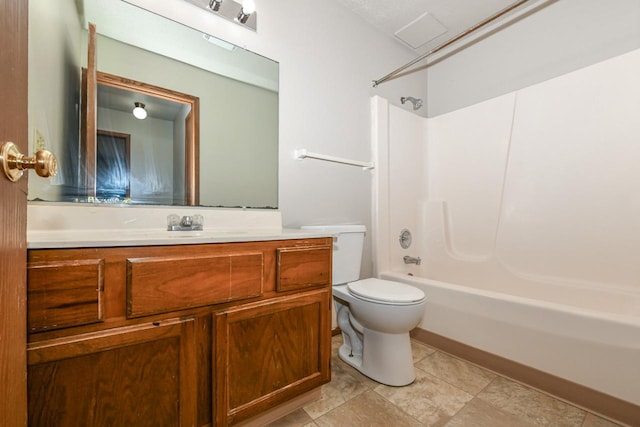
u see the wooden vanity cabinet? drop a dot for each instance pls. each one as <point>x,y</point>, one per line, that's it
<point>143,375</point>
<point>269,352</point>
<point>190,335</point>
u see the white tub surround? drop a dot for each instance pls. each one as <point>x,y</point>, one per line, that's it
<point>524,210</point>
<point>62,225</point>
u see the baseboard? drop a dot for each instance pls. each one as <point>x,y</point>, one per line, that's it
<point>608,406</point>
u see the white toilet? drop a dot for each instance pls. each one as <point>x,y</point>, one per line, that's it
<point>375,315</point>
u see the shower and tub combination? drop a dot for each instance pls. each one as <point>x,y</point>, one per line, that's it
<point>524,212</point>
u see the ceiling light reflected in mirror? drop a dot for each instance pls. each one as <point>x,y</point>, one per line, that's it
<point>139,112</point>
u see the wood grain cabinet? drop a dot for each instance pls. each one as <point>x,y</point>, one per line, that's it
<point>131,376</point>
<point>269,352</point>
<point>191,335</point>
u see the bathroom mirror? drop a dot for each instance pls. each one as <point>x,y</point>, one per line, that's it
<point>237,92</point>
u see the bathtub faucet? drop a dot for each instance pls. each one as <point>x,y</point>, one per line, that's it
<point>411,260</point>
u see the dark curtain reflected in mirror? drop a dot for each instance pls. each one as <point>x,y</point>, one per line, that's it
<point>113,159</point>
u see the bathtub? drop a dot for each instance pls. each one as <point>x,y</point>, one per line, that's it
<point>596,349</point>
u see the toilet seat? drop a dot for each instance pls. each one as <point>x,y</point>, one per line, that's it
<point>385,292</point>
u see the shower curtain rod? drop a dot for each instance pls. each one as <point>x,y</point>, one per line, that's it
<point>452,40</point>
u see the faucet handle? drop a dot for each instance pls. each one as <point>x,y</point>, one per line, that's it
<point>172,220</point>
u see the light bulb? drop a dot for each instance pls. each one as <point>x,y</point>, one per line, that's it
<point>139,112</point>
<point>248,7</point>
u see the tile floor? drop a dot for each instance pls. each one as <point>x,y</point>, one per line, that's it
<point>447,392</point>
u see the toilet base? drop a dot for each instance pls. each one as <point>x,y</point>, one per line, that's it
<point>386,358</point>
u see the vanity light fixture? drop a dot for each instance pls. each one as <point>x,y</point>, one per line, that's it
<point>138,111</point>
<point>248,7</point>
<point>241,12</point>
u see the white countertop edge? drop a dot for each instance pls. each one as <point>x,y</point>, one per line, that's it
<point>66,239</point>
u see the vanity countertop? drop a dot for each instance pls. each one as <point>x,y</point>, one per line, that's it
<point>63,225</point>
<point>61,239</point>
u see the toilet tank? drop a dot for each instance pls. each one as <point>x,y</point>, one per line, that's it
<point>347,250</point>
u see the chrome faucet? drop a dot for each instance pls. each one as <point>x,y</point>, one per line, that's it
<point>186,223</point>
<point>411,260</point>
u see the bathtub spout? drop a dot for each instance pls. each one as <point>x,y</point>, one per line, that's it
<point>411,260</point>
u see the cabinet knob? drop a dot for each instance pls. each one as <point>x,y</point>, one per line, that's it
<point>14,162</point>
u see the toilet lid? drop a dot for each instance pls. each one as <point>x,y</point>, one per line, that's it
<point>385,291</point>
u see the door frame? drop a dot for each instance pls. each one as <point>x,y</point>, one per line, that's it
<point>14,21</point>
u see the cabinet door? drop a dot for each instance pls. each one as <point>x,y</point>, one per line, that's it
<point>142,375</point>
<point>269,352</point>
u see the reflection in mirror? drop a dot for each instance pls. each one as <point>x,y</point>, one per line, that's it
<point>238,93</point>
<point>113,157</point>
<point>161,169</point>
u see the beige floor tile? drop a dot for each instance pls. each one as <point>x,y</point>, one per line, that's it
<point>595,421</point>
<point>429,399</point>
<point>441,395</point>
<point>367,410</point>
<point>456,372</point>
<point>531,405</point>
<point>297,418</point>
<point>420,351</point>
<point>346,383</point>
<point>478,413</point>
<point>342,366</point>
<point>336,342</point>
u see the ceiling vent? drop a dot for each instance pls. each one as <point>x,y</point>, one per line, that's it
<point>421,31</point>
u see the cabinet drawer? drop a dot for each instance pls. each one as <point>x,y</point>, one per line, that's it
<point>302,267</point>
<point>65,293</point>
<point>162,284</point>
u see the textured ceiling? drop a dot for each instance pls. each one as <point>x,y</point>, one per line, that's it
<point>450,16</point>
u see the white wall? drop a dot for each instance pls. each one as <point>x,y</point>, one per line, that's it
<point>563,36</point>
<point>328,58</point>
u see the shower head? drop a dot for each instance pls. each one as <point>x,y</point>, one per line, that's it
<point>417,103</point>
